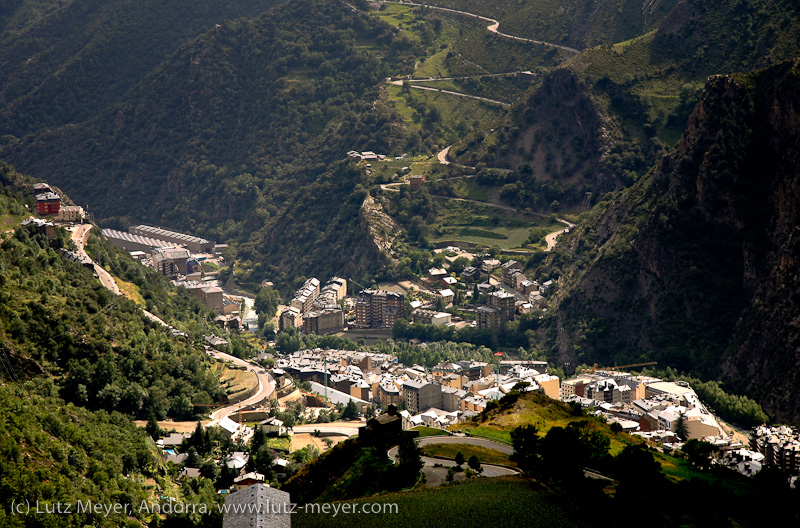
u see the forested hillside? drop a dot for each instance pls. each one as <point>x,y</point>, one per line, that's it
<point>611,113</point>
<point>576,23</point>
<point>696,265</point>
<point>84,57</point>
<point>53,452</point>
<point>16,15</point>
<point>78,364</point>
<point>234,132</point>
<point>57,320</point>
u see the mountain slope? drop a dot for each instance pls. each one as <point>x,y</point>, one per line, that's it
<point>238,130</point>
<point>639,93</point>
<point>696,265</point>
<point>576,23</point>
<point>54,452</point>
<point>16,15</point>
<point>57,320</point>
<point>80,59</point>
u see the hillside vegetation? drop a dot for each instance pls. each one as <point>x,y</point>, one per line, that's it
<point>576,23</point>
<point>695,265</point>
<point>478,503</point>
<point>77,364</point>
<point>235,132</point>
<point>78,60</point>
<point>57,320</point>
<point>53,451</point>
<point>600,122</point>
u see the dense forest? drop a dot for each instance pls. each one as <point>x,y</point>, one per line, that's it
<point>53,451</point>
<point>57,319</point>
<point>234,134</point>
<point>81,59</point>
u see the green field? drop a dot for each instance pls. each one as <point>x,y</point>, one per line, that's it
<point>484,454</point>
<point>402,17</point>
<point>501,435</point>
<point>433,66</point>
<point>456,115</point>
<point>485,225</point>
<point>513,237</point>
<point>429,431</point>
<point>472,504</point>
<point>470,189</point>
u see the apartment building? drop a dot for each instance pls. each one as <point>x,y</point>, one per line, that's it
<point>430,317</point>
<point>327,321</point>
<point>170,261</point>
<point>607,390</point>
<point>504,303</point>
<point>509,269</point>
<point>304,297</point>
<point>378,308</point>
<point>48,203</point>
<point>421,395</point>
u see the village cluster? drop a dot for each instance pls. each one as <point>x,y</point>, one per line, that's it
<point>667,413</point>
<point>663,412</point>
<point>317,309</point>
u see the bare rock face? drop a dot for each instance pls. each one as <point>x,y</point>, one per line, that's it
<point>381,227</point>
<point>696,265</point>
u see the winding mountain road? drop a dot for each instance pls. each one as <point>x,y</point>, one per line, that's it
<point>450,92</point>
<point>266,386</point>
<point>442,155</point>
<point>79,235</point>
<point>434,468</point>
<point>492,27</point>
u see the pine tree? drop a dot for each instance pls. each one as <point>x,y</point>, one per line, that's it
<point>475,463</point>
<point>350,411</point>
<point>152,427</point>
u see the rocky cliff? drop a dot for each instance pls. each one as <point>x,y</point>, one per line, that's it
<point>696,265</point>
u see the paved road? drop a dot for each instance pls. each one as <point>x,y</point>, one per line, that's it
<point>492,27</point>
<point>436,476</point>
<point>434,79</point>
<point>442,156</point>
<point>79,235</point>
<point>266,386</point>
<point>551,238</point>
<point>450,92</point>
<point>392,187</point>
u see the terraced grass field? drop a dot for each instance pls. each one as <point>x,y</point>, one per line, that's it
<point>429,431</point>
<point>484,454</point>
<point>471,504</point>
<point>235,380</point>
<point>485,225</point>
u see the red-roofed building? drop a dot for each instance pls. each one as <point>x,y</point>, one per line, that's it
<point>48,203</point>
